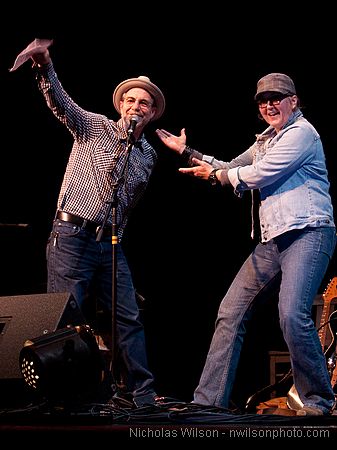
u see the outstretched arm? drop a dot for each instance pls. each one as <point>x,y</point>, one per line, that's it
<point>202,169</point>
<point>198,168</point>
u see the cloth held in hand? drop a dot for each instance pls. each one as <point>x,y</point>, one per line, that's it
<point>38,45</point>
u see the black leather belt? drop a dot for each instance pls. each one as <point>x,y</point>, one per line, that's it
<point>85,224</point>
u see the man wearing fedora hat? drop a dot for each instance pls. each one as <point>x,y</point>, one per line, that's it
<point>105,154</point>
<point>295,240</point>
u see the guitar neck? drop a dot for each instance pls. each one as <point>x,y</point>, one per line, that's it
<point>329,293</point>
<point>323,322</point>
<point>330,352</point>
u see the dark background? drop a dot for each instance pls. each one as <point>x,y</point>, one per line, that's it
<point>185,240</point>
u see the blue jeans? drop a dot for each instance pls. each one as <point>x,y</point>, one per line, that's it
<point>302,258</point>
<point>78,264</point>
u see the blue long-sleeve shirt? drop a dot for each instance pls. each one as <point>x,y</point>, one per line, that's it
<point>289,170</point>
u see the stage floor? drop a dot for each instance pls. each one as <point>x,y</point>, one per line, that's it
<point>171,421</point>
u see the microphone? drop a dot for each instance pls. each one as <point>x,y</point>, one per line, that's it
<point>132,126</point>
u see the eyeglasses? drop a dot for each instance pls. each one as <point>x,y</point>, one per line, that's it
<point>274,101</point>
<point>143,104</point>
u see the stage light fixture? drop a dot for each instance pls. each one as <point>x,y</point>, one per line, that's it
<point>63,365</point>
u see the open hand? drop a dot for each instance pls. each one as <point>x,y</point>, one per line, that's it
<point>176,143</point>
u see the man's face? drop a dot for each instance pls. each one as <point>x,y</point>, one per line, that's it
<point>137,102</point>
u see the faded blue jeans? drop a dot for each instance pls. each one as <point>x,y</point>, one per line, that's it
<point>78,264</point>
<point>302,258</point>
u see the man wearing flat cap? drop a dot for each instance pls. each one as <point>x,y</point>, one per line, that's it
<point>295,235</point>
<point>109,160</point>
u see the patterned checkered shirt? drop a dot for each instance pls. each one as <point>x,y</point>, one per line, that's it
<point>97,158</point>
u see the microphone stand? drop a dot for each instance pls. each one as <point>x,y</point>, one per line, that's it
<point>114,241</point>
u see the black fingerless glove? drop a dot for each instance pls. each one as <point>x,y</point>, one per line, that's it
<point>188,154</point>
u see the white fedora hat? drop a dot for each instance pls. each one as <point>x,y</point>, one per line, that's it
<point>144,83</point>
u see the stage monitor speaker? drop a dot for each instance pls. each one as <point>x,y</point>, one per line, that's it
<point>25,317</point>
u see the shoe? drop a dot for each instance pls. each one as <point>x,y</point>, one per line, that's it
<point>309,411</point>
<point>145,400</point>
<point>154,400</point>
<point>122,400</point>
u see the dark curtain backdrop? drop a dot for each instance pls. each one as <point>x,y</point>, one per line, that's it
<point>185,240</point>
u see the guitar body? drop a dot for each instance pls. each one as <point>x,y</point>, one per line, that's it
<point>293,400</point>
